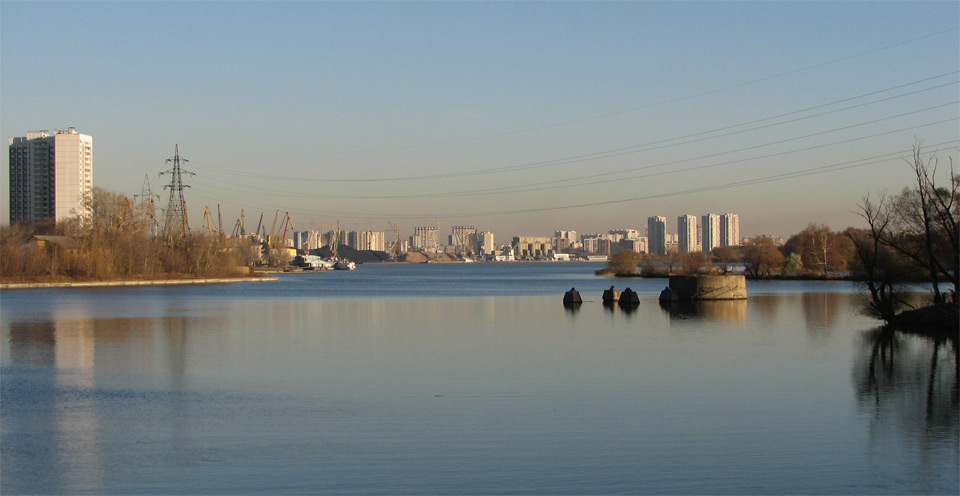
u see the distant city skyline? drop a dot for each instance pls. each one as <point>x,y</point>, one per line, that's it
<point>521,118</point>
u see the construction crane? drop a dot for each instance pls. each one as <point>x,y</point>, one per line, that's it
<point>152,216</point>
<point>395,247</point>
<point>286,224</point>
<point>260,225</point>
<point>208,222</point>
<point>125,207</point>
<point>273,229</point>
<point>238,229</point>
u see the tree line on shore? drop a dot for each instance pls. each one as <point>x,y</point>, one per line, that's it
<point>115,243</point>
<point>911,237</point>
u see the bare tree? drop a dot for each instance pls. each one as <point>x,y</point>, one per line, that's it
<point>926,222</point>
<point>877,265</point>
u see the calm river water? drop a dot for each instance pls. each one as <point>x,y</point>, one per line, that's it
<point>466,379</point>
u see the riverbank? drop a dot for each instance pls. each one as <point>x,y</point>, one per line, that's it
<point>151,282</point>
<point>937,321</point>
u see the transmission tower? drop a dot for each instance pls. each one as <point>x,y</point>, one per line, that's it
<point>175,222</point>
<point>145,206</point>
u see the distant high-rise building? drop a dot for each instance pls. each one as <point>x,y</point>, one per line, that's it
<point>300,240</point>
<point>306,240</point>
<point>425,238</point>
<point>626,233</point>
<point>483,243</point>
<point>366,240</point>
<point>531,247</point>
<point>710,225</point>
<point>657,234</point>
<point>564,241</point>
<point>688,239</point>
<point>460,238</point>
<point>51,176</point>
<point>730,230</point>
<point>638,245</point>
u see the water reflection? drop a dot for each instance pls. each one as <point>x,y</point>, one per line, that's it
<point>69,421</point>
<point>33,343</point>
<point>572,308</point>
<point>189,395</point>
<point>910,381</point>
<point>767,307</point>
<point>820,310</point>
<point>729,311</point>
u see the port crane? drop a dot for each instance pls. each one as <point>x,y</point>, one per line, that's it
<point>395,247</point>
<point>238,229</point>
<point>286,224</point>
<point>208,221</point>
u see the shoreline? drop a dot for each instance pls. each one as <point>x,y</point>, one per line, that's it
<point>147,282</point>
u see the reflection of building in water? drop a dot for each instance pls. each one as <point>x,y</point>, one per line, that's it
<point>729,311</point>
<point>75,346</point>
<point>77,422</point>
<point>64,419</point>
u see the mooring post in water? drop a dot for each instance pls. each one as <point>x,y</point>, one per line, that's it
<point>572,297</point>
<point>629,298</point>
<point>611,295</point>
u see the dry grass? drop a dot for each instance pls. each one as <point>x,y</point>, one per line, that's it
<point>113,245</point>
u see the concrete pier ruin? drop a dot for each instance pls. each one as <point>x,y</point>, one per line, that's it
<point>705,287</point>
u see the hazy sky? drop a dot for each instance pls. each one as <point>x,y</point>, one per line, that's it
<point>520,118</point>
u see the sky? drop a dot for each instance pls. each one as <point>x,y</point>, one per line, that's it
<point>521,118</point>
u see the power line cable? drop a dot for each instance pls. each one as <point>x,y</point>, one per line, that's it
<point>760,180</point>
<point>665,102</point>
<point>617,151</point>
<point>538,186</point>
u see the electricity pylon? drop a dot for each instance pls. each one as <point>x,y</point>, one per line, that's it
<point>175,223</point>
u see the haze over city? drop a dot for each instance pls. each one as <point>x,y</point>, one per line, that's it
<point>517,118</point>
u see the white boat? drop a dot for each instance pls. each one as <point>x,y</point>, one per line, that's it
<point>344,265</point>
<point>312,262</point>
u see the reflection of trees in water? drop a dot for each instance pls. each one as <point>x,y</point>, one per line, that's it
<point>33,343</point>
<point>912,380</point>
<point>766,306</point>
<point>820,310</point>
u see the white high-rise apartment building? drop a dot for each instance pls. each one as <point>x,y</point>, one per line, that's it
<point>366,240</point>
<point>425,238</point>
<point>710,225</point>
<point>688,239</point>
<point>657,234</point>
<point>730,230</point>
<point>51,176</point>
<point>483,243</point>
